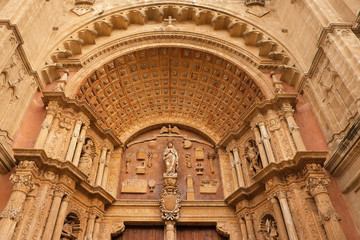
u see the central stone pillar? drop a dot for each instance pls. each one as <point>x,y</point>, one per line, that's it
<point>170,194</point>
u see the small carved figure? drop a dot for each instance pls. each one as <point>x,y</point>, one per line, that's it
<point>128,160</point>
<point>67,231</point>
<point>188,160</point>
<point>252,155</point>
<point>150,155</point>
<point>86,158</point>
<point>171,159</point>
<point>271,231</point>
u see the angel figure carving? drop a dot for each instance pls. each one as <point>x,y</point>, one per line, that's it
<point>171,160</point>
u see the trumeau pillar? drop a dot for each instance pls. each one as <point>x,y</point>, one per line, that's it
<point>293,127</point>
<point>100,171</point>
<point>54,210</point>
<point>45,126</point>
<point>290,226</point>
<point>279,218</point>
<point>61,218</point>
<point>249,226</point>
<point>79,145</point>
<point>260,146</point>
<point>170,230</point>
<point>328,216</point>
<point>11,215</point>
<point>238,167</point>
<point>243,229</point>
<point>73,141</point>
<point>233,170</point>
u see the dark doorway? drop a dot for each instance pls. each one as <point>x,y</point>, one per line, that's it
<point>198,233</point>
<point>142,233</point>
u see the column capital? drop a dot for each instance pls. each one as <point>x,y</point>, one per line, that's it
<point>316,185</point>
<point>22,182</point>
<point>248,216</point>
<point>281,194</point>
<point>59,192</point>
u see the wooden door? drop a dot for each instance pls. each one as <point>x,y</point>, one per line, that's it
<point>142,233</point>
<point>198,233</point>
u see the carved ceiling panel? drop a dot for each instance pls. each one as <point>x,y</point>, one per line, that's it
<point>170,82</point>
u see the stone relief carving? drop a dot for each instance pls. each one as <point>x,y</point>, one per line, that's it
<point>171,160</point>
<point>86,158</point>
<point>170,194</point>
<point>252,156</point>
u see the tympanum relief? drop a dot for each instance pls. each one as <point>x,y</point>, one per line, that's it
<point>170,151</point>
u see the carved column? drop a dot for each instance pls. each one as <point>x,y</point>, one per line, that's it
<point>238,167</point>
<point>96,229</point>
<point>293,127</point>
<point>266,140</point>
<point>90,225</point>
<point>100,171</point>
<point>61,218</point>
<point>279,218</point>
<point>45,126</point>
<point>243,229</point>
<point>249,226</point>
<point>50,223</point>
<point>328,216</point>
<point>106,170</point>
<point>79,145</point>
<point>73,141</point>
<point>170,230</point>
<point>287,215</point>
<point>11,215</point>
<point>233,170</point>
<point>260,146</point>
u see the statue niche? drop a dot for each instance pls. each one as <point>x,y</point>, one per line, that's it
<point>268,228</point>
<point>71,227</point>
<point>253,157</point>
<point>86,158</point>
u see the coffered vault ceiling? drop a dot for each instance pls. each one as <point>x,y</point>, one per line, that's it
<point>169,85</point>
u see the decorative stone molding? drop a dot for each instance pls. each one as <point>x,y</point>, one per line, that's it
<point>142,14</point>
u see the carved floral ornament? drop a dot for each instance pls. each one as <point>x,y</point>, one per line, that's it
<point>270,51</point>
<point>191,86</point>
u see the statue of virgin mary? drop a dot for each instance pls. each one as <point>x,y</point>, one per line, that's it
<point>171,159</point>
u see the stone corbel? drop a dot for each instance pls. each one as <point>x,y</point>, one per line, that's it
<point>117,229</point>
<point>223,229</point>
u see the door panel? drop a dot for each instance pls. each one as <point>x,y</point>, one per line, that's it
<point>198,233</point>
<point>142,233</point>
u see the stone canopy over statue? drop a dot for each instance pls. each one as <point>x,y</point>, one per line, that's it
<point>171,160</point>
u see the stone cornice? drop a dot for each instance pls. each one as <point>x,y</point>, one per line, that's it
<point>63,168</point>
<point>256,108</point>
<point>345,155</point>
<point>15,30</point>
<point>85,108</point>
<point>294,166</point>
